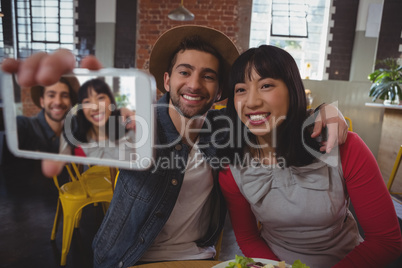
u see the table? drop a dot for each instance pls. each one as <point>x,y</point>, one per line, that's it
<point>179,264</point>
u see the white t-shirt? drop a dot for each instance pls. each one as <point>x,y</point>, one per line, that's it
<point>190,217</point>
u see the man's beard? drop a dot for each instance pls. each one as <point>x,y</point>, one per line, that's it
<point>186,111</point>
<point>49,114</point>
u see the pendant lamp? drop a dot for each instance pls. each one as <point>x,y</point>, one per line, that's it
<point>181,13</point>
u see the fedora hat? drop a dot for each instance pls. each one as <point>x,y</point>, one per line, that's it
<point>73,86</point>
<point>169,41</point>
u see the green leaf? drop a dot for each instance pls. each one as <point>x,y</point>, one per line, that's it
<point>243,261</point>
<point>121,100</point>
<point>386,81</point>
<point>299,264</point>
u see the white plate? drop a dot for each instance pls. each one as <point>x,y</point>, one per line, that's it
<point>265,261</point>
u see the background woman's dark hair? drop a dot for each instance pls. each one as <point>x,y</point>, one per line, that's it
<point>81,126</point>
<point>276,63</point>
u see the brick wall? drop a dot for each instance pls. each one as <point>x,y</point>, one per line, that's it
<point>391,30</point>
<point>153,20</point>
<point>28,108</point>
<point>343,35</point>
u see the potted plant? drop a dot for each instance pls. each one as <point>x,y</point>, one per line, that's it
<point>122,100</point>
<point>387,81</point>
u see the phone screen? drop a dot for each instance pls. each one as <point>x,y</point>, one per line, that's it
<point>105,117</point>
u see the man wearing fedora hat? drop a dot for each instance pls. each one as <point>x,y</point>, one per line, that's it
<point>42,131</point>
<point>174,210</point>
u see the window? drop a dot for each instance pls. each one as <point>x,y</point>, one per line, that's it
<point>44,25</point>
<point>289,18</point>
<point>299,27</point>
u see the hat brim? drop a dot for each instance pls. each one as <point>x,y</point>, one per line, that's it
<point>73,84</point>
<point>169,41</point>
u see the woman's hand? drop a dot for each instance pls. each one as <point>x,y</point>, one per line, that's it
<point>51,168</point>
<point>128,118</point>
<point>329,116</point>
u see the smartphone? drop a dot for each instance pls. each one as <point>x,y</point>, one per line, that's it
<point>107,118</point>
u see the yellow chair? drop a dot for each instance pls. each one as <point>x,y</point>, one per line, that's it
<point>218,246</point>
<point>115,180</point>
<point>394,170</point>
<point>349,122</point>
<point>218,106</point>
<point>90,187</point>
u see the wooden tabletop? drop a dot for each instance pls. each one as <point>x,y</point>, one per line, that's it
<point>179,264</point>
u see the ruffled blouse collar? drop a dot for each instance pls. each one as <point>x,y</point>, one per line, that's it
<point>257,181</point>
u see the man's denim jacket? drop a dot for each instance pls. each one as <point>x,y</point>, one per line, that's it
<point>143,200</point>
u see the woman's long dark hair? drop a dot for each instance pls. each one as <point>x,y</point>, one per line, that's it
<point>276,63</point>
<point>81,126</point>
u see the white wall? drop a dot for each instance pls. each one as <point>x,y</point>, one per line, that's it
<point>366,39</point>
<point>105,31</point>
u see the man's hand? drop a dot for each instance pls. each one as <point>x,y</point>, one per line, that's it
<point>46,69</point>
<point>329,116</point>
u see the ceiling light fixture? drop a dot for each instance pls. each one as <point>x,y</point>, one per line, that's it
<point>181,13</point>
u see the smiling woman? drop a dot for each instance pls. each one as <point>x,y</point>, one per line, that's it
<point>295,201</point>
<point>97,127</point>
<point>262,104</point>
<point>96,108</point>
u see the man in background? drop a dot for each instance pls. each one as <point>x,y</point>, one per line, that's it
<point>42,131</point>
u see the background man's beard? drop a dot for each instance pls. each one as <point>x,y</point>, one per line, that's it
<point>49,114</point>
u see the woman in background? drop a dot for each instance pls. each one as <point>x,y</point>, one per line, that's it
<point>286,185</point>
<point>97,129</point>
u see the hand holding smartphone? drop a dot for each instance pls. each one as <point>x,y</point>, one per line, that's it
<point>106,118</point>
